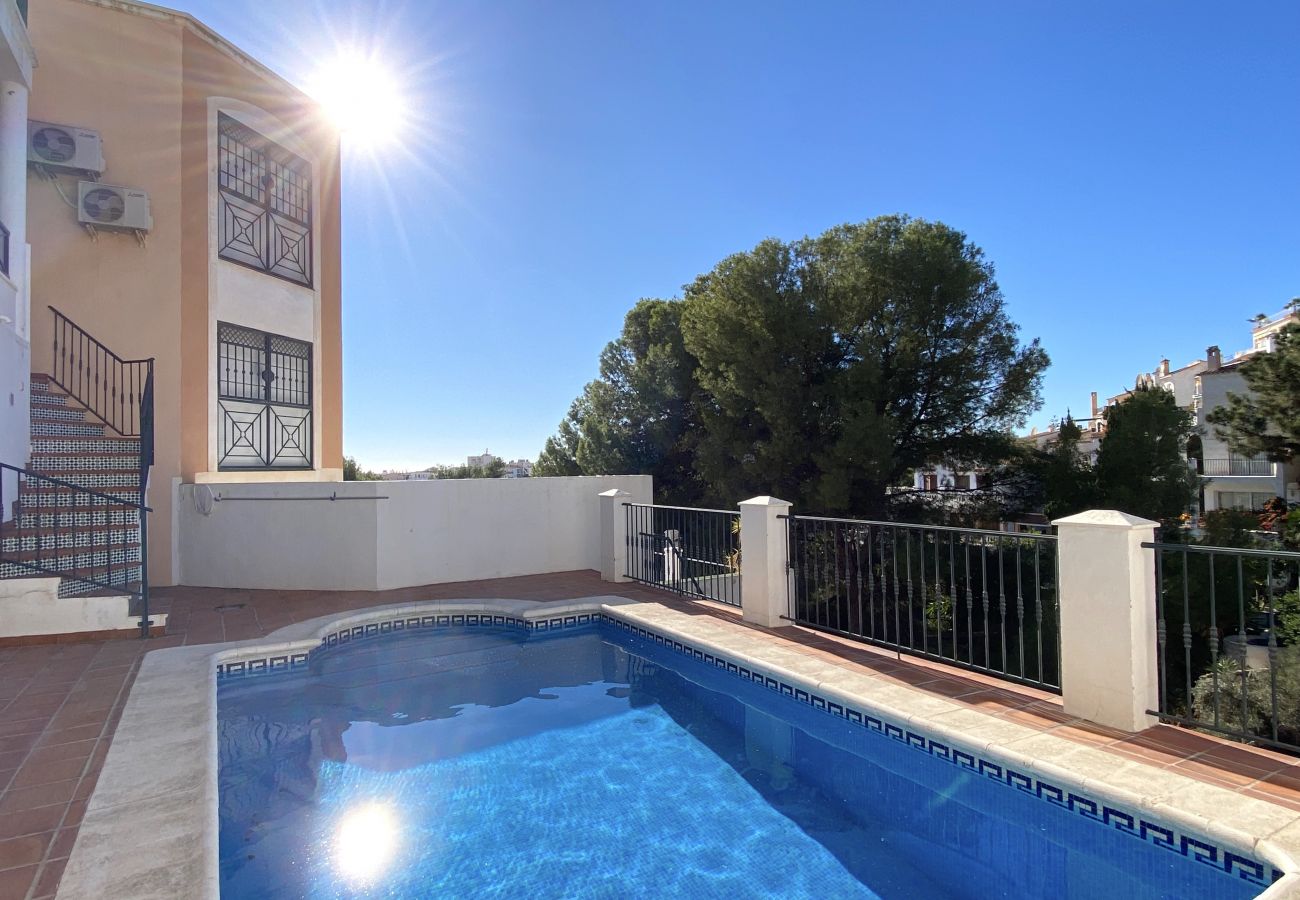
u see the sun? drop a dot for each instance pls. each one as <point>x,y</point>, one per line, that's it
<point>362,97</point>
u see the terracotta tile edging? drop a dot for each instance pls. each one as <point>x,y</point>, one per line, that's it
<point>151,827</point>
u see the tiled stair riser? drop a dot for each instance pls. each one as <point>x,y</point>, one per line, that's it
<point>69,539</point>
<point>57,429</point>
<point>70,499</point>
<point>89,462</point>
<point>48,519</point>
<point>108,446</point>
<point>48,412</point>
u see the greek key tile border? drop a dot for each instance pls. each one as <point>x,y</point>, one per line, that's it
<point>1196,848</point>
<point>279,663</point>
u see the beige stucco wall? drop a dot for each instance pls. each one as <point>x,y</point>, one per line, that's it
<point>145,79</point>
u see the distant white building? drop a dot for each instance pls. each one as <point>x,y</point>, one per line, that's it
<point>519,468</point>
<point>482,461</point>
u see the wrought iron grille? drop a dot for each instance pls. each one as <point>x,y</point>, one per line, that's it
<point>264,400</point>
<point>264,193</point>
<point>981,600</point>
<point>694,552</point>
<point>1228,641</point>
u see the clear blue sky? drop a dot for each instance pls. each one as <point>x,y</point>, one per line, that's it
<point>1132,169</point>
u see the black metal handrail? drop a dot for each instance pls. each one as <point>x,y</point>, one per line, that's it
<point>4,249</point>
<point>38,544</point>
<point>110,387</point>
<point>1228,641</point>
<point>120,393</point>
<point>694,552</point>
<point>978,599</point>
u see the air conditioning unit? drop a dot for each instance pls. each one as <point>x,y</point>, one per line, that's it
<point>65,147</point>
<point>109,206</point>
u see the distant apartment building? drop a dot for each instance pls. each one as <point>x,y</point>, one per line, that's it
<point>519,468</point>
<point>1089,442</point>
<point>482,461</point>
<point>1228,480</point>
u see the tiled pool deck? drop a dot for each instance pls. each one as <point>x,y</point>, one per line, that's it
<point>61,704</point>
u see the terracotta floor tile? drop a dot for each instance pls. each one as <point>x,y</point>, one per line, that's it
<point>35,821</point>
<point>79,750</point>
<point>21,799</point>
<point>70,735</point>
<point>1214,774</point>
<point>1085,732</point>
<point>47,883</point>
<point>61,846</point>
<point>14,883</point>
<point>24,851</point>
<point>1288,800</point>
<point>47,772</point>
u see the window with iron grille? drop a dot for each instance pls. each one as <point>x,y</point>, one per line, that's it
<point>264,400</point>
<point>264,195</point>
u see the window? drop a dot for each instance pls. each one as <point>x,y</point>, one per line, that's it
<point>1247,500</point>
<point>264,400</point>
<point>264,196</point>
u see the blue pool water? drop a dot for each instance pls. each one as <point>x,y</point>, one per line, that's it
<point>472,762</point>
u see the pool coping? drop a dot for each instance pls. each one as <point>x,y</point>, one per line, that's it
<point>151,826</point>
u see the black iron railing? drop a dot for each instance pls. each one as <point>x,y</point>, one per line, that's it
<point>1228,638</point>
<point>120,393</point>
<point>694,552</point>
<point>4,249</point>
<point>1237,465</point>
<point>981,600</point>
<point>110,387</point>
<point>88,537</point>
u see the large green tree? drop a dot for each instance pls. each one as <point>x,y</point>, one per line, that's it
<point>1068,480</point>
<point>1142,461</point>
<point>832,367</point>
<point>638,416</point>
<point>1267,420</point>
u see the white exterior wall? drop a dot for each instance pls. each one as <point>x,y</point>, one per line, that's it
<point>391,534</point>
<point>16,62</point>
<point>1215,387</point>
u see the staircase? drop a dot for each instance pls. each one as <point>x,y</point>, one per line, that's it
<point>93,542</point>
<point>79,512</point>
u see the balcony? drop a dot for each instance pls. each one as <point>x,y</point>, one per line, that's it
<point>1236,465</point>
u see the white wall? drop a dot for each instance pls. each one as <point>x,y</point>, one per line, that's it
<point>15,433</point>
<point>390,534</point>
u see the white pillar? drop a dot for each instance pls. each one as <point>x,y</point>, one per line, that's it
<point>13,186</point>
<point>764,573</point>
<point>613,535</point>
<point>1107,588</point>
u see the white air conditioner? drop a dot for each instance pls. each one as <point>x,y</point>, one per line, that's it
<point>65,147</point>
<point>109,206</point>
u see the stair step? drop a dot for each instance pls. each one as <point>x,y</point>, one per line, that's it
<point>83,445</point>
<point>14,540</point>
<point>70,498</point>
<point>99,480</point>
<point>61,517</point>
<point>47,413</point>
<point>88,462</point>
<point>65,429</point>
<point>48,399</point>
<point>88,558</point>
<point>72,585</point>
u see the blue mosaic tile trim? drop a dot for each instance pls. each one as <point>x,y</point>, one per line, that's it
<point>281,663</point>
<point>1197,849</point>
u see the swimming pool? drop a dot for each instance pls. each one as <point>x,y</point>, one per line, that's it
<point>602,760</point>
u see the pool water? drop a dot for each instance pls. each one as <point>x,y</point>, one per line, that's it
<point>475,762</point>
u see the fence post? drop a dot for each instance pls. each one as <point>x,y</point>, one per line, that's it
<point>1107,591</point>
<point>613,535</point>
<point>764,572</point>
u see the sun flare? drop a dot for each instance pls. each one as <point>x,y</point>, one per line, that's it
<point>366,840</point>
<point>362,97</point>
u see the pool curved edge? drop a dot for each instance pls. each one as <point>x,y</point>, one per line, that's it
<point>150,829</point>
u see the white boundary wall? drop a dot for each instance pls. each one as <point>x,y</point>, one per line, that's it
<point>390,534</point>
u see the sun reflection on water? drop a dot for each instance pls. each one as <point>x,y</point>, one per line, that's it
<point>366,840</point>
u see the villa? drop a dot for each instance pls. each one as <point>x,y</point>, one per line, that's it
<point>226,672</point>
